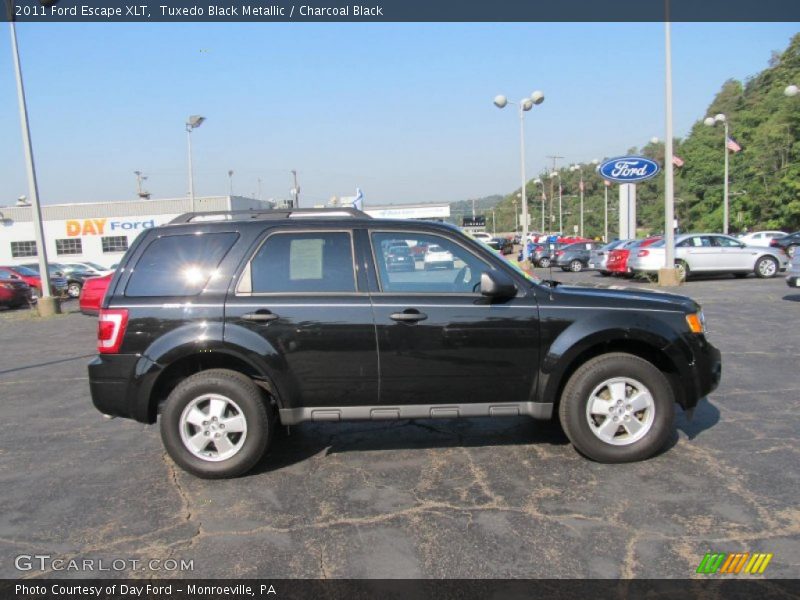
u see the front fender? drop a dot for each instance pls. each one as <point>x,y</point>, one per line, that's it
<point>584,335</point>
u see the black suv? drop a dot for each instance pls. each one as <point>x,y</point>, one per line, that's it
<point>226,324</point>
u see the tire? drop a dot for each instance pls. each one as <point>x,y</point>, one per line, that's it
<point>683,270</point>
<point>583,418</point>
<point>544,262</point>
<point>766,267</point>
<point>576,266</point>
<point>243,398</point>
<point>74,289</point>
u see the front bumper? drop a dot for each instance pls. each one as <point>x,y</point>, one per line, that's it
<point>703,371</point>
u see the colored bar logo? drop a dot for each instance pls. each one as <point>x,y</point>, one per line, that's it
<point>737,563</point>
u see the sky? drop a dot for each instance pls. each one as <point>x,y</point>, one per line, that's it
<point>403,111</point>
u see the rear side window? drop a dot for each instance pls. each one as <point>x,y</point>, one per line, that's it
<point>179,265</point>
<point>291,263</point>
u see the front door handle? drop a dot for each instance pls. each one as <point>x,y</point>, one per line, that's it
<point>261,316</point>
<point>410,315</point>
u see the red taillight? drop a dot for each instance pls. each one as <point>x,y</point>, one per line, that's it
<point>643,253</point>
<point>111,326</point>
<point>559,252</point>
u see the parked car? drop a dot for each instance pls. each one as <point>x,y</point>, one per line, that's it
<point>502,245</point>
<point>58,284</point>
<point>711,253</point>
<point>482,236</point>
<point>788,243</point>
<point>399,258</point>
<point>542,254</point>
<point>308,325</point>
<point>618,258</point>
<point>92,294</point>
<point>14,292</point>
<point>91,268</point>
<point>438,258</point>
<point>793,278</point>
<point>760,238</point>
<point>74,279</point>
<point>598,257</point>
<point>575,257</point>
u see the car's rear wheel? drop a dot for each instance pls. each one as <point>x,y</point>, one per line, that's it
<point>216,424</point>
<point>617,408</point>
<point>576,266</point>
<point>74,289</point>
<point>766,267</point>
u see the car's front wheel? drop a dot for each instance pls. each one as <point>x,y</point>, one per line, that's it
<point>576,266</point>
<point>617,408</point>
<point>544,262</point>
<point>216,424</point>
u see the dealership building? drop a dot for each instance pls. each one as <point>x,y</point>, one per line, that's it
<point>100,232</point>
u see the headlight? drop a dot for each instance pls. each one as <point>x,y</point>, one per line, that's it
<point>696,322</point>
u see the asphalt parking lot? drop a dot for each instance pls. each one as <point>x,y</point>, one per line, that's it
<point>501,498</point>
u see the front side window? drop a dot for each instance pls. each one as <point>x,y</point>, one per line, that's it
<point>179,265</point>
<point>432,264</point>
<point>304,262</point>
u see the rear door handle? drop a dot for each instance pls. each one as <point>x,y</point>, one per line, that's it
<point>410,315</point>
<point>261,316</point>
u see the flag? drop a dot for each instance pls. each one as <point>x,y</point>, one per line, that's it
<point>733,145</point>
<point>677,161</point>
<point>358,201</point>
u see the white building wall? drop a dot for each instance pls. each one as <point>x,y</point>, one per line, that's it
<point>92,222</point>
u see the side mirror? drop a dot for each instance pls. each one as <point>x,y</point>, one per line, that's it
<point>496,284</point>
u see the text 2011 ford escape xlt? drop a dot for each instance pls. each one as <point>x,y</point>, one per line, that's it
<point>223,325</point>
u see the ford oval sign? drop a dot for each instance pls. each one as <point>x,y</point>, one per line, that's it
<point>628,169</point>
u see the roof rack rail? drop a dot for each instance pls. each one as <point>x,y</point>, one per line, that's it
<point>279,213</point>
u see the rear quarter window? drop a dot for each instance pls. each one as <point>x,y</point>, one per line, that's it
<point>179,265</point>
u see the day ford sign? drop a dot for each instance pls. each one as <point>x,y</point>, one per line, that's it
<point>628,169</point>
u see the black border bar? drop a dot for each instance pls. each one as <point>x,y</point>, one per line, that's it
<point>376,11</point>
<point>390,589</point>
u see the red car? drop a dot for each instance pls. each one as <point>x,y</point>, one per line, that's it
<point>58,284</point>
<point>92,293</point>
<point>618,258</point>
<point>14,292</point>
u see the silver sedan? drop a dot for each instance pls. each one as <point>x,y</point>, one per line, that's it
<point>711,253</point>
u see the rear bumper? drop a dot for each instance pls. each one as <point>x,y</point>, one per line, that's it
<point>112,383</point>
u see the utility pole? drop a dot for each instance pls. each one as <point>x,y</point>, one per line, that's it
<point>473,208</point>
<point>554,158</point>
<point>230,182</point>
<point>295,191</point>
<point>258,195</point>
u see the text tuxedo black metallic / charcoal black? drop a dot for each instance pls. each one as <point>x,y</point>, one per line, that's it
<point>223,325</point>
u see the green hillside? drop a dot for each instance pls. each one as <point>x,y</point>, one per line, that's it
<point>764,176</point>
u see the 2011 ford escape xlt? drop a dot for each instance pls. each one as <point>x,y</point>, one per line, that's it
<point>223,325</point>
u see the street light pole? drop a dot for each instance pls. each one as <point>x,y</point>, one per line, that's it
<point>193,123</point>
<point>711,122</point>
<point>524,105</point>
<point>605,226</point>
<point>47,304</point>
<point>560,212</point>
<point>667,275</point>
<point>579,169</point>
